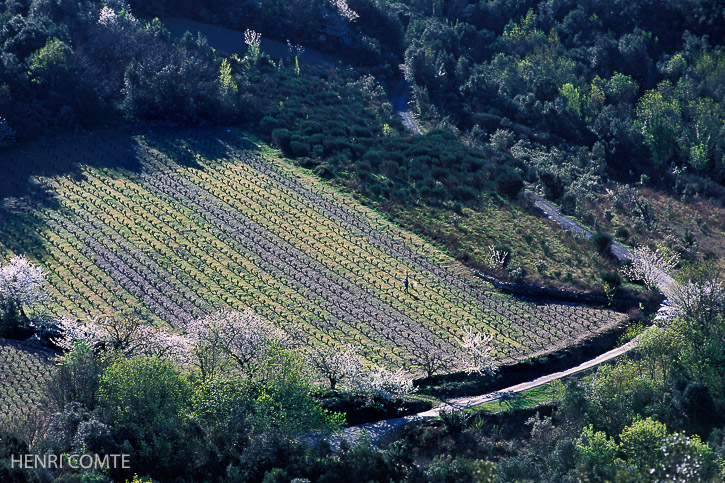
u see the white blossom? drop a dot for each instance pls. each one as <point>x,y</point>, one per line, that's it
<point>166,345</point>
<point>242,336</point>
<point>128,335</point>
<point>651,267</point>
<point>496,258</point>
<point>23,282</point>
<point>107,17</point>
<point>336,364</point>
<point>73,332</point>
<point>252,38</point>
<point>477,348</point>
<point>698,301</point>
<point>384,384</point>
<point>295,50</point>
<point>344,10</point>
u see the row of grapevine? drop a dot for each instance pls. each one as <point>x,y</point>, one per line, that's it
<point>188,222</point>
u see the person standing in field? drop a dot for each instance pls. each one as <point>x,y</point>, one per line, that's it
<point>405,282</point>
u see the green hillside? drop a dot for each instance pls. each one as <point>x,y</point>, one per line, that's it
<point>176,224</point>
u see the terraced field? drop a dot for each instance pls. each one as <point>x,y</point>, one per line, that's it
<point>177,224</point>
<point>24,369</point>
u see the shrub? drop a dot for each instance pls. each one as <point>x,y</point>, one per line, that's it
<point>516,272</point>
<point>268,124</point>
<point>622,233</point>
<point>324,171</point>
<point>602,241</point>
<point>299,148</point>
<point>553,185</point>
<point>281,139</point>
<point>509,182</point>
<point>142,392</point>
<point>611,278</point>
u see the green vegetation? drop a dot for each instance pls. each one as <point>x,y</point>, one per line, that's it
<point>317,237</point>
<point>551,392</point>
<point>652,413</point>
<point>170,225</point>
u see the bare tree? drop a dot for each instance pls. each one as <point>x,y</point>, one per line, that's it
<point>431,360</point>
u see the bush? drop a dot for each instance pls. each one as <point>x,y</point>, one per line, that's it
<point>509,182</point>
<point>143,392</point>
<point>622,233</point>
<point>268,124</point>
<point>516,272</point>
<point>10,445</point>
<point>281,139</point>
<point>611,278</point>
<point>12,323</point>
<point>299,148</point>
<point>602,242</point>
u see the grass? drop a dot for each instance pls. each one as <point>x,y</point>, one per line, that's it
<point>176,224</point>
<point>495,221</point>
<point>672,219</point>
<point>547,393</point>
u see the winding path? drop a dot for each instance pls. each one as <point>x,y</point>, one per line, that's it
<point>621,253</point>
<point>379,429</point>
<point>232,41</point>
<point>399,97</point>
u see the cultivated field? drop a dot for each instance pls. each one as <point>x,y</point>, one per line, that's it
<point>24,369</point>
<point>176,224</point>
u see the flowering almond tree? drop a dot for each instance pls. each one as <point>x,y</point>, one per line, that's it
<point>477,348</point>
<point>22,284</point>
<point>338,16</point>
<point>125,334</point>
<point>380,383</point>
<point>242,338</point>
<point>652,267</point>
<point>497,258</point>
<point>698,301</point>
<point>336,364</point>
<point>254,41</point>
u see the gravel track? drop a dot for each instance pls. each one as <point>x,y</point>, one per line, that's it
<point>379,430</point>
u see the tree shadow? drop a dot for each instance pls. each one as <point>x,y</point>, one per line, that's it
<point>186,147</point>
<point>27,168</point>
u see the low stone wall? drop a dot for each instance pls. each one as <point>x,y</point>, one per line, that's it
<point>543,293</point>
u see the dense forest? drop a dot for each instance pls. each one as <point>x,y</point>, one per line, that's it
<point>575,93</point>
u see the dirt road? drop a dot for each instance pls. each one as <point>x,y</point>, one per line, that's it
<point>378,430</point>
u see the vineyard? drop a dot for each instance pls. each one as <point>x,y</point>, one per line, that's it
<point>178,224</point>
<point>24,370</point>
